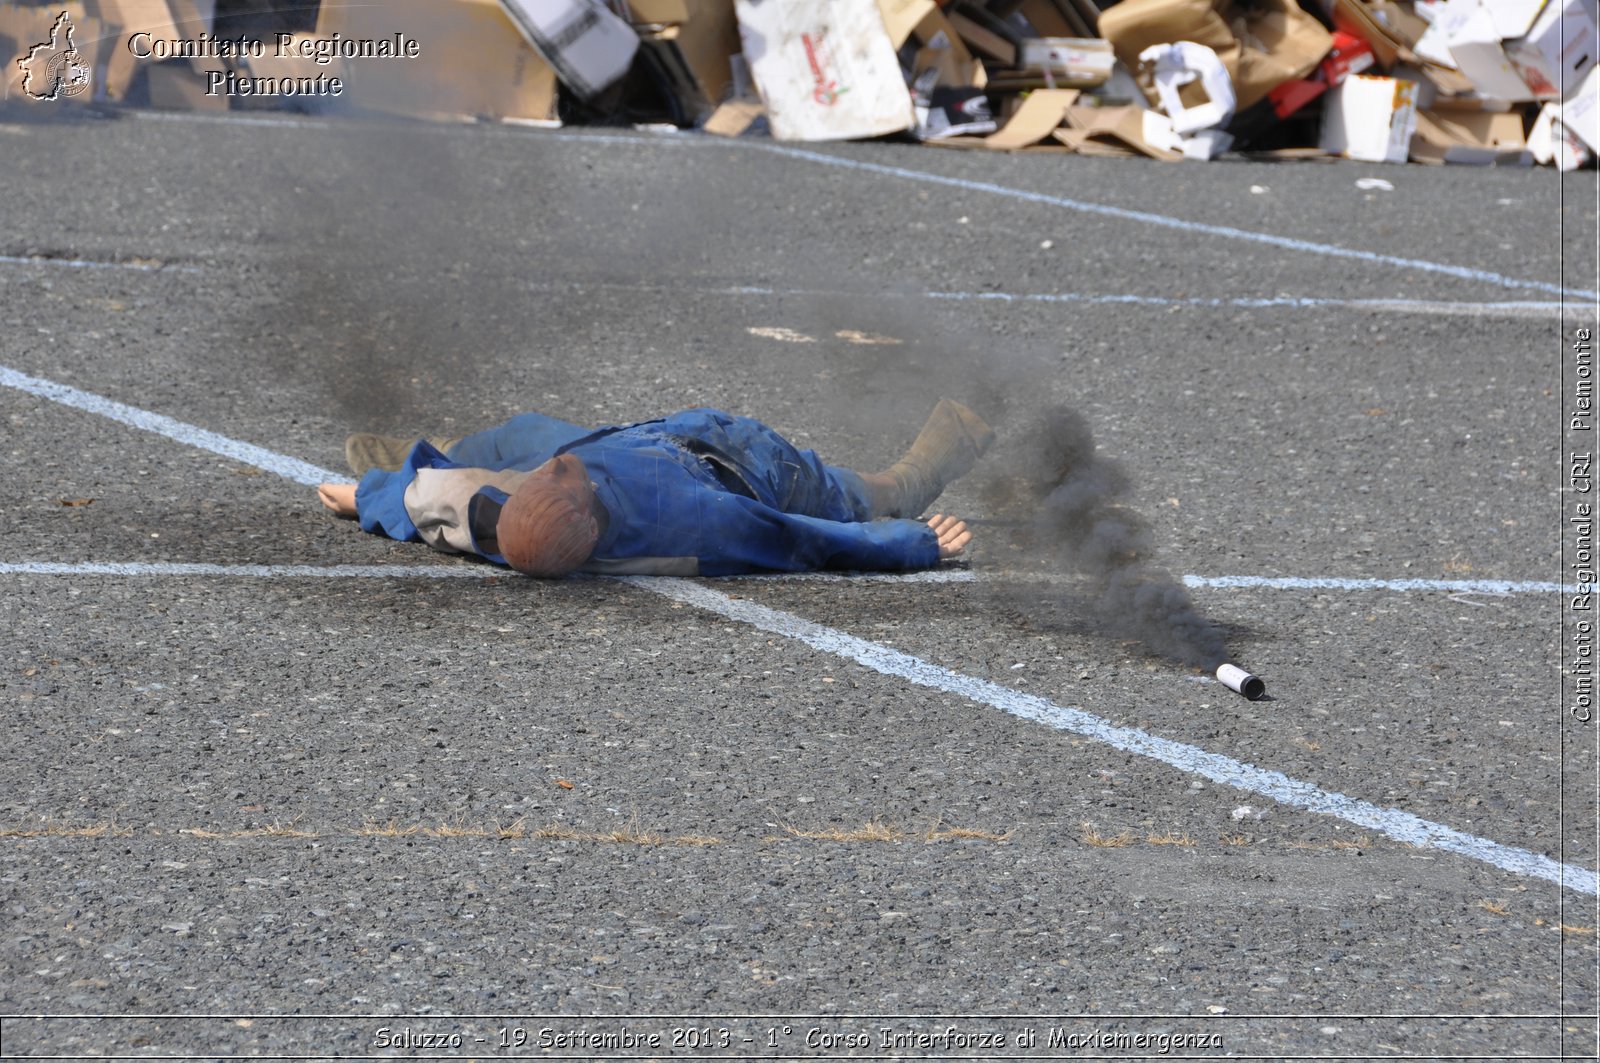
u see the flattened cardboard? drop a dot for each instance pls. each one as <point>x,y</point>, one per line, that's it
<point>1073,62</point>
<point>984,41</point>
<point>1285,41</point>
<point>733,118</point>
<point>708,42</point>
<point>473,61</point>
<point>1039,116</point>
<point>1134,25</point>
<point>901,17</point>
<point>1470,138</point>
<point>936,32</point>
<point>659,12</point>
<point>1127,128</point>
<point>1046,19</point>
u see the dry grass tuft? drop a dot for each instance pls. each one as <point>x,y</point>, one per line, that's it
<point>1234,839</point>
<point>1497,907</point>
<point>873,830</point>
<point>942,834</point>
<point>1169,839</point>
<point>277,830</point>
<point>52,829</point>
<point>457,829</point>
<point>1581,931</point>
<point>391,829</point>
<point>630,834</point>
<point>1095,838</point>
<point>1363,842</point>
<point>881,830</point>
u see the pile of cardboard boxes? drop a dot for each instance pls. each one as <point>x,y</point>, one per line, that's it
<point>1436,81</point>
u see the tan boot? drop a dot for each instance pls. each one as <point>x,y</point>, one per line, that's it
<point>367,450</point>
<point>947,448</point>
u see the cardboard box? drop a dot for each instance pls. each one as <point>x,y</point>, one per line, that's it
<point>1349,55</point>
<point>1473,138</point>
<point>1474,44</point>
<point>473,61</point>
<point>1550,142</point>
<point>1370,118</point>
<point>589,47</point>
<point>75,77</point>
<point>1515,50</point>
<point>1069,61</point>
<point>826,69</point>
<point>1580,111</point>
<point>1556,50</point>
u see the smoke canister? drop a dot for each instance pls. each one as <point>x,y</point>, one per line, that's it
<point>1237,679</point>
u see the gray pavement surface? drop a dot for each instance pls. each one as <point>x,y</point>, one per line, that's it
<point>316,808</point>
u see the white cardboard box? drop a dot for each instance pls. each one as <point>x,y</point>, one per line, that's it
<point>1475,46</point>
<point>1370,118</point>
<point>1553,144</point>
<point>826,69</point>
<point>1516,50</point>
<point>590,47</point>
<point>1580,111</point>
<point>1556,50</point>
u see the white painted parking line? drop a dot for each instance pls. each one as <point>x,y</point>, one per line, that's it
<point>289,468</point>
<point>1437,308</point>
<point>475,570</point>
<point>89,263</point>
<point>1165,221</point>
<point>1402,826</point>
<point>185,568</point>
<point>1452,586</point>
<point>1226,232</point>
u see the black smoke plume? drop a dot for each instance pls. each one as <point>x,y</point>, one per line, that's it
<point>1083,523</point>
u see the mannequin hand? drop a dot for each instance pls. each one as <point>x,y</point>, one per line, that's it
<point>341,498</point>
<point>952,534</point>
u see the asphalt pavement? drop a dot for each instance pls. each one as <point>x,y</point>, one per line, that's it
<point>264,799</point>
